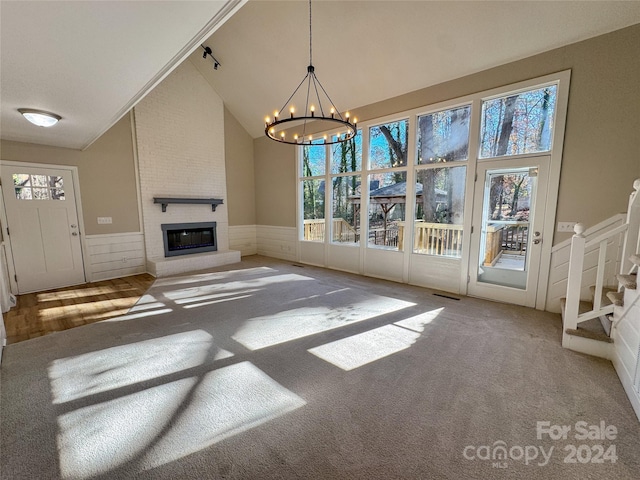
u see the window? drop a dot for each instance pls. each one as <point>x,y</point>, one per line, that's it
<point>518,123</point>
<point>346,159</point>
<point>443,146</point>
<point>313,171</point>
<point>38,187</point>
<point>388,145</point>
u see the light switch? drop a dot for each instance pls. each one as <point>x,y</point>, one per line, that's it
<point>104,220</point>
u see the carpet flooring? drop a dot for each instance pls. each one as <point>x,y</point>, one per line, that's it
<point>268,370</point>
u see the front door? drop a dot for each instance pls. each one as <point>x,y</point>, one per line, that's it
<point>508,216</point>
<point>44,234</point>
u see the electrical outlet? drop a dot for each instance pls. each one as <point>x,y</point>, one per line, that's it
<point>566,226</point>
<point>104,220</point>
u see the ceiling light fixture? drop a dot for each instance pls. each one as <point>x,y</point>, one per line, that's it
<point>313,111</point>
<point>40,117</point>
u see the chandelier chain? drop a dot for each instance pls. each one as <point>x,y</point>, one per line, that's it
<point>276,129</point>
<point>310,37</point>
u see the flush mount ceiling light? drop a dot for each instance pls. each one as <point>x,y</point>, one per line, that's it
<point>40,117</point>
<point>314,110</point>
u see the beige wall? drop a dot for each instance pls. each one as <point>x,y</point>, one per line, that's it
<point>275,173</point>
<point>238,151</point>
<point>602,141</point>
<point>106,173</point>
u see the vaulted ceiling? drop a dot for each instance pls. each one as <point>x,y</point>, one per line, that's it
<point>90,62</point>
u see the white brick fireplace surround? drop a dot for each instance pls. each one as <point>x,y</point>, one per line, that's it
<point>180,140</point>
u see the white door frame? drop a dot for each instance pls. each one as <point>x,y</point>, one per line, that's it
<point>528,296</point>
<point>76,186</point>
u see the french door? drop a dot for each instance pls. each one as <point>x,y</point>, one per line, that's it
<point>508,218</point>
<point>44,233</point>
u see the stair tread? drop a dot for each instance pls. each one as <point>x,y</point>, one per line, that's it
<point>592,329</point>
<point>635,258</point>
<point>617,298</point>
<point>604,301</point>
<point>628,281</point>
<point>582,308</point>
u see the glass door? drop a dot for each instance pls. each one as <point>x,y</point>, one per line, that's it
<point>508,217</point>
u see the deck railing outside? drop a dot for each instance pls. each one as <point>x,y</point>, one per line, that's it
<point>438,239</point>
<point>430,238</point>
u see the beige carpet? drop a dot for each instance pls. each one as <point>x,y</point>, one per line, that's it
<point>267,370</point>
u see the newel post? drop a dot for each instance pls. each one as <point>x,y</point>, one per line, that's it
<point>574,280</point>
<point>631,236</point>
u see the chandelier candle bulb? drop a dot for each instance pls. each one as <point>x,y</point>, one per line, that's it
<point>292,110</point>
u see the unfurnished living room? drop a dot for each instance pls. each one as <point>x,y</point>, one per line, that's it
<point>319,239</point>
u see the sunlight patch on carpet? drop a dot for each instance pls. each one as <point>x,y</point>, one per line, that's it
<point>162,424</point>
<point>212,277</point>
<point>358,350</point>
<point>116,367</point>
<point>215,296</point>
<point>193,293</point>
<point>353,306</point>
<point>367,347</point>
<point>418,322</point>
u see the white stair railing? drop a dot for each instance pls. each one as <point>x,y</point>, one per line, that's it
<point>579,246</point>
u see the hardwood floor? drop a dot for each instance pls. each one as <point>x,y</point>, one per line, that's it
<point>41,313</point>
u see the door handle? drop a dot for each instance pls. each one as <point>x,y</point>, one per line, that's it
<point>74,226</point>
<point>537,241</point>
<point>75,234</point>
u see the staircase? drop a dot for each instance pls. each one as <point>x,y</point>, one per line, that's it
<point>608,324</point>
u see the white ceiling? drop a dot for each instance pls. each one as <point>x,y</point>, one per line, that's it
<point>367,51</point>
<point>91,61</point>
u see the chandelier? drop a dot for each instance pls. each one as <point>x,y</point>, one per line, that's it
<point>292,129</point>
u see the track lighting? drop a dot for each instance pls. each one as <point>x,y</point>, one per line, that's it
<point>207,51</point>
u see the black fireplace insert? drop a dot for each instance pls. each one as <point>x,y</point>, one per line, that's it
<point>188,238</point>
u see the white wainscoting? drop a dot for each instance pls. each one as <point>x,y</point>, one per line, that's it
<point>277,242</point>
<point>244,239</point>
<point>115,255</point>
<point>626,338</point>
<point>560,264</point>
<point>385,264</point>
<point>439,273</point>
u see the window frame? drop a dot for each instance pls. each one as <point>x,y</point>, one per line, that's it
<point>561,79</point>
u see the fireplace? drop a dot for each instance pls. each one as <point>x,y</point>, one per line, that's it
<point>188,238</point>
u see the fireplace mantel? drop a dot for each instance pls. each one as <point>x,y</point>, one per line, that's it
<point>164,201</point>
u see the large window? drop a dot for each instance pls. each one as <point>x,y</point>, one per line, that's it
<point>443,149</point>
<point>346,183</point>
<point>368,192</point>
<point>518,123</point>
<point>388,147</point>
